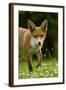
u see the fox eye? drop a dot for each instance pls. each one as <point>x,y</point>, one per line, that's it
<point>41,35</point>
<point>35,36</point>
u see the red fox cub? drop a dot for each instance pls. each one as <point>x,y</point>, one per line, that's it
<point>31,41</point>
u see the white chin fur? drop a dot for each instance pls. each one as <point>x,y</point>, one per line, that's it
<point>34,42</point>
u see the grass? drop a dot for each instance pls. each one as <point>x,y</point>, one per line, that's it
<point>48,69</point>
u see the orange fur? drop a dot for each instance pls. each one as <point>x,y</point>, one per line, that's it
<point>31,41</point>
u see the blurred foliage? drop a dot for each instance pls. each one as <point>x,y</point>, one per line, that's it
<point>48,69</point>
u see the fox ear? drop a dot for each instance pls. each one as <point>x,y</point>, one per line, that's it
<point>31,25</point>
<point>44,25</point>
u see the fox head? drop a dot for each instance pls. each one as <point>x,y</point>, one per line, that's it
<point>38,34</point>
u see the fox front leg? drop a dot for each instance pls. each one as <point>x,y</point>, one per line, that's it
<point>40,59</point>
<point>30,63</point>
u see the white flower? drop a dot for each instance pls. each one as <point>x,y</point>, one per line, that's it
<point>23,73</point>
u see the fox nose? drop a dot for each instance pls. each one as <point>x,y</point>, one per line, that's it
<point>39,43</point>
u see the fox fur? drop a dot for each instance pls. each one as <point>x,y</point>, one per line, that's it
<point>31,41</point>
